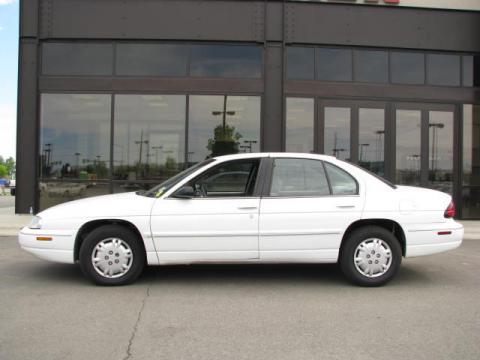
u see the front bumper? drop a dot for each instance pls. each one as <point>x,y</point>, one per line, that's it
<point>58,249</point>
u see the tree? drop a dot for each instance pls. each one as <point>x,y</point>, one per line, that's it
<point>7,165</point>
<point>3,171</point>
<point>225,140</point>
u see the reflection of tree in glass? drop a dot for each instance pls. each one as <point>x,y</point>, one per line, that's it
<point>225,140</point>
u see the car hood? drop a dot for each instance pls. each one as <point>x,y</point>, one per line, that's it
<point>107,206</point>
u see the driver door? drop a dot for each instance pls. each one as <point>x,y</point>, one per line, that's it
<point>219,223</point>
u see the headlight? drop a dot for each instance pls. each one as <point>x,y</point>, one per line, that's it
<point>36,223</point>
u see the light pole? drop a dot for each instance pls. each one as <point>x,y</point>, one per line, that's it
<point>224,114</point>
<point>156,148</point>
<point>434,127</point>
<point>77,155</point>
<point>361,150</point>
<point>141,142</point>
<point>379,143</point>
<point>248,145</point>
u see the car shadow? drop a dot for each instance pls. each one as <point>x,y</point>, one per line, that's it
<point>225,274</point>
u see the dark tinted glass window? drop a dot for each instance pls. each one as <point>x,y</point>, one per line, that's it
<point>407,68</point>
<point>77,59</point>
<point>226,61</point>
<point>220,125</point>
<point>299,125</point>
<point>443,70</point>
<point>149,142</point>
<point>75,136</point>
<point>56,192</point>
<point>299,177</point>
<point>341,182</point>
<point>334,64</point>
<point>300,63</point>
<point>235,178</point>
<point>152,59</point>
<point>371,66</point>
<point>467,75</point>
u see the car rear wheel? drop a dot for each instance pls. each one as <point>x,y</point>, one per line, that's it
<point>370,256</point>
<point>112,255</point>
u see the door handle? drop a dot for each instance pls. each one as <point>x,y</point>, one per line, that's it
<point>247,207</point>
<point>345,206</point>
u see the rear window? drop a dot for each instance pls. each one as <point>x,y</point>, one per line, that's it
<point>341,182</point>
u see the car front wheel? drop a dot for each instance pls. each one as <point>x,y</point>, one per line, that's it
<point>112,255</point>
<point>370,256</point>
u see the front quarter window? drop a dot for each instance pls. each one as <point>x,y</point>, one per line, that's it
<point>341,182</point>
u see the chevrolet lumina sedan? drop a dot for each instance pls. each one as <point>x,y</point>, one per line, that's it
<point>250,208</point>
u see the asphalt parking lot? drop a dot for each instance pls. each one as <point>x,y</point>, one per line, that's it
<point>430,311</point>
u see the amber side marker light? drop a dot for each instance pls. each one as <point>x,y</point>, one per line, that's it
<point>44,238</point>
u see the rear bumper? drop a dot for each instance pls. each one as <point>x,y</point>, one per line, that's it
<point>59,249</point>
<point>445,237</point>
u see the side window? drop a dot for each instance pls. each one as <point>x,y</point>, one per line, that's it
<point>341,182</point>
<point>231,179</point>
<point>298,177</point>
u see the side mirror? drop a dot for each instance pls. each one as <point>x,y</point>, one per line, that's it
<point>185,192</point>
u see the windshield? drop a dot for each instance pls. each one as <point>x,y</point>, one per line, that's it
<point>160,189</point>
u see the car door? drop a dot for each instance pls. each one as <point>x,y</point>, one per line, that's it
<point>219,223</point>
<point>306,209</point>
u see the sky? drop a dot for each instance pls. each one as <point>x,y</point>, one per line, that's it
<point>8,76</point>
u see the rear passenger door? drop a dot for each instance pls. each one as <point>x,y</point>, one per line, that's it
<point>305,209</point>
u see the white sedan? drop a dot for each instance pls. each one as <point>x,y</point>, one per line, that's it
<point>251,208</point>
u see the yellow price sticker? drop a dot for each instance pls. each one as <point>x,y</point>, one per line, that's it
<point>160,192</point>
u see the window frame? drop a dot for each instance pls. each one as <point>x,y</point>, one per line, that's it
<point>257,184</point>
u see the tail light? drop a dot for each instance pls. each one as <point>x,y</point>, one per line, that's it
<point>450,212</point>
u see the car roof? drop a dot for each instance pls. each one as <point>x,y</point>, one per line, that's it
<point>275,154</point>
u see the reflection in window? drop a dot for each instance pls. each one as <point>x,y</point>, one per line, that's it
<point>333,64</point>
<point>300,63</point>
<point>443,70</point>
<point>299,177</point>
<point>372,140</point>
<point>299,125</point>
<point>471,145</point>
<point>467,65</point>
<point>408,131</point>
<point>337,132</point>
<point>149,137</point>
<point>226,61</point>
<point>75,136</point>
<point>407,68</point>
<point>152,59</point>
<point>371,66</point>
<point>77,59</point>
<point>440,173</point>
<point>55,192</point>
<point>220,125</point>
<point>471,162</point>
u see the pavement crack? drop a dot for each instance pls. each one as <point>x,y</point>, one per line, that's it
<point>135,327</point>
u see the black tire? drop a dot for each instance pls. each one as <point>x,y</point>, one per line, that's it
<point>118,232</point>
<point>347,255</point>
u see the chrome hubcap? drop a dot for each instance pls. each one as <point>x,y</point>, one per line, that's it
<point>373,257</point>
<point>112,258</point>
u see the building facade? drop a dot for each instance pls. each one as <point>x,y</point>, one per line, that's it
<point>117,96</point>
